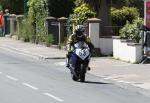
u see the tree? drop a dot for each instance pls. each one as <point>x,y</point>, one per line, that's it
<point>82,13</point>
<point>15,6</point>
<point>139,4</point>
<point>102,9</point>
<point>59,8</point>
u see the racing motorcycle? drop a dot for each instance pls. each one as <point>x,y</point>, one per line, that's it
<point>79,60</point>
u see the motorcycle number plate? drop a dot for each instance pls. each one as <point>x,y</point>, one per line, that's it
<point>82,53</point>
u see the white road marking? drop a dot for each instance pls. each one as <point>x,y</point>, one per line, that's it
<point>143,85</point>
<point>122,65</point>
<point>60,63</point>
<point>0,72</point>
<point>54,97</point>
<point>120,81</point>
<point>12,78</point>
<point>108,78</point>
<point>30,86</point>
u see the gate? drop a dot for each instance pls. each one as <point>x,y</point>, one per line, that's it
<point>52,27</point>
<point>57,27</point>
<point>145,43</point>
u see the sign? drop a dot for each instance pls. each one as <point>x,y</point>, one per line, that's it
<point>147,13</point>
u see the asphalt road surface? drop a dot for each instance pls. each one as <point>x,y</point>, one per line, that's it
<point>25,79</point>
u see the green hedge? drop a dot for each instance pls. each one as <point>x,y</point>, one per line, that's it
<point>131,31</point>
<point>82,13</point>
<point>120,16</point>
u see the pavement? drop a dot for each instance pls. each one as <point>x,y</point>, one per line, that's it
<point>105,67</point>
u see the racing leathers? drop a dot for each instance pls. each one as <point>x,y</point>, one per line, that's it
<point>73,39</point>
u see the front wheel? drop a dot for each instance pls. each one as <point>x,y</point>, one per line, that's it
<point>82,77</point>
<point>74,77</point>
<point>82,73</point>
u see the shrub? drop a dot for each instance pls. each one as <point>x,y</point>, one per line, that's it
<point>120,16</point>
<point>33,26</point>
<point>82,13</point>
<point>26,30</point>
<point>131,30</point>
<point>49,39</point>
<point>36,15</point>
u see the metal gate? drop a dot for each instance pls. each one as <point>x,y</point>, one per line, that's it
<point>145,43</point>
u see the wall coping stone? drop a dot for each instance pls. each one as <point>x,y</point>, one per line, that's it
<point>51,18</point>
<point>93,20</point>
<point>134,44</point>
<point>62,19</point>
<point>116,37</point>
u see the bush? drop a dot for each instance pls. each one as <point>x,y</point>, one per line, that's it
<point>131,30</point>
<point>49,40</point>
<point>120,16</point>
<point>36,15</point>
<point>26,30</point>
<point>82,13</point>
<point>33,26</point>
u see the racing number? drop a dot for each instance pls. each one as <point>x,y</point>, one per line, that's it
<point>82,53</point>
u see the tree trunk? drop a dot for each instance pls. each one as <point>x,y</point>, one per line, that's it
<point>104,15</point>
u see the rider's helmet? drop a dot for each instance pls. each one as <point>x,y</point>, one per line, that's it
<point>79,30</point>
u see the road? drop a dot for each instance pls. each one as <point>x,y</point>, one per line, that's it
<point>25,79</point>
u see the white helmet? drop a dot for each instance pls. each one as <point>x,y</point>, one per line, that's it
<point>79,30</point>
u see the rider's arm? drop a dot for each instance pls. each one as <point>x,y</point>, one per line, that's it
<point>88,41</point>
<point>69,43</point>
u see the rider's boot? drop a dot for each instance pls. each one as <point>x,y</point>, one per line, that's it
<point>67,65</point>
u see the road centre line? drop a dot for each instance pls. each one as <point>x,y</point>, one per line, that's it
<point>30,86</point>
<point>12,78</point>
<point>54,97</point>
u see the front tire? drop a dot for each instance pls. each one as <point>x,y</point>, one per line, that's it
<point>82,77</point>
<point>74,77</point>
<point>82,73</point>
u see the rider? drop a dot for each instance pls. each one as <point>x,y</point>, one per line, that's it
<point>77,36</point>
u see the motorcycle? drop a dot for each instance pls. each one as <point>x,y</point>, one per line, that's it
<point>79,60</point>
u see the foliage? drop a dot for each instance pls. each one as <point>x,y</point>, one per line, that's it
<point>120,16</point>
<point>69,27</point>
<point>26,30</point>
<point>15,6</point>
<point>49,39</point>
<point>78,2</point>
<point>33,26</point>
<point>131,30</point>
<point>94,4</point>
<point>60,8</point>
<point>139,4</point>
<point>82,13</point>
<point>129,3</point>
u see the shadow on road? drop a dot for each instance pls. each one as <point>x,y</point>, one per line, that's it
<point>91,82</point>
